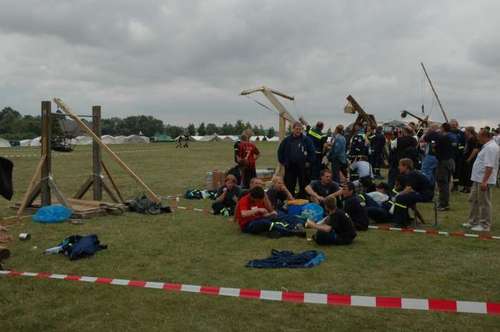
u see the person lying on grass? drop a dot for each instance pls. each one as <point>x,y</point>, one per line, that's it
<point>255,216</point>
<point>278,194</point>
<point>227,197</point>
<point>337,229</point>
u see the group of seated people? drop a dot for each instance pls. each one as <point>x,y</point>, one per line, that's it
<point>348,207</point>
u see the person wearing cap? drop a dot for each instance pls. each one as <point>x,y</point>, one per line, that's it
<point>484,177</point>
<point>318,140</point>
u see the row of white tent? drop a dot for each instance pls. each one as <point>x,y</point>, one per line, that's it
<point>86,140</point>
<point>231,138</point>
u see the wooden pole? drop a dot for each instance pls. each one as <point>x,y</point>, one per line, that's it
<point>31,185</point>
<point>96,153</point>
<point>113,155</point>
<point>434,91</point>
<point>46,151</point>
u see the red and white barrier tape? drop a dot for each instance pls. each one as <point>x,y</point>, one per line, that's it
<point>486,308</point>
<point>436,232</point>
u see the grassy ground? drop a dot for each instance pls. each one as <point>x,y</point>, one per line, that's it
<point>189,247</point>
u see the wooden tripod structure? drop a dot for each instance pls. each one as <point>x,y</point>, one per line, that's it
<point>353,107</point>
<point>43,184</point>
<point>283,114</point>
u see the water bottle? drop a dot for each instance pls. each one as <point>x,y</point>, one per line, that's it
<point>53,250</point>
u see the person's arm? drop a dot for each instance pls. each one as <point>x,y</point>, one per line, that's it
<point>320,227</point>
<point>487,173</point>
<point>473,155</point>
<point>336,194</point>
<point>289,195</point>
<point>222,196</point>
<point>312,193</point>
<point>253,212</point>
<point>256,153</point>
<point>281,152</point>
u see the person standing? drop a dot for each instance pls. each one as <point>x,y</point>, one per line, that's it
<point>484,177</point>
<point>459,148</point>
<point>337,155</point>
<point>377,145</point>
<point>319,140</point>
<point>471,150</point>
<point>296,154</point>
<point>248,155</point>
<point>444,153</point>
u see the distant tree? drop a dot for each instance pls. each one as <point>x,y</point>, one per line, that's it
<point>271,132</point>
<point>239,126</point>
<point>191,130</point>
<point>227,129</point>
<point>212,129</point>
<point>174,131</point>
<point>201,129</point>
<point>111,126</point>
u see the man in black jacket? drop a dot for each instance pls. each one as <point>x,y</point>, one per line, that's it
<point>318,140</point>
<point>296,154</point>
<point>416,188</point>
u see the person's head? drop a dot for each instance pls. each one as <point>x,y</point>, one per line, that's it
<point>408,131</point>
<point>484,136</point>
<point>297,129</point>
<point>379,129</point>
<point>244,138</point>
<point>230,181</point>
<point>470,132</point>
<point>363,158</point>
<point>277,181</point>
<point>405,166</point>
<point>382,187</point>
<point>257,194</point>
<point>256,182</point>
<point>248,133</point>
<point>348,189</point>
<point>454,124</point>
<point>339,129</point>
<point>325,176</point>
<point>320,125</point>
<point>445,127</point>
<point>330,204</point>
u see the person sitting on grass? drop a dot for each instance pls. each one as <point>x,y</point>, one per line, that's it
<point>227,197</point>
<point>278,194</point>
<point>417,188</point>
<point>337,229</point>
<point>255,217</point>
<point>352,206</point>
<point>319,190</point>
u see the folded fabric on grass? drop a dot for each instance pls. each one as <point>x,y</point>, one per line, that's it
<point>288,259</point>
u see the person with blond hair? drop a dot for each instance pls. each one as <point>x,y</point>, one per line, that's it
<point>278,193</point>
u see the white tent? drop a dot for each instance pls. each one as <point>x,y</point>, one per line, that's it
<point>196,138</point>
<point>108,139</point>
<point>83,140</point>
<point>229,138</point>
<point>25,142</point>
<point>35,141</point>
<point>273,139</point>
<point>258,138</point>
<point>136,139</point>
<point>4,143</point>
<point>210,138</point>
<point>120,139</point>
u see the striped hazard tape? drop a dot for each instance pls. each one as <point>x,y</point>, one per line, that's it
<point>436,232</point>
<point>486,308</point>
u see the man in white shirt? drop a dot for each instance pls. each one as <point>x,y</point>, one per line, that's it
<point>484,177</point>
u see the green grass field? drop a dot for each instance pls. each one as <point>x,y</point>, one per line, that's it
<point>189,247</point>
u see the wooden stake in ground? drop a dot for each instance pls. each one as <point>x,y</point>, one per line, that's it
<point>113,155</point>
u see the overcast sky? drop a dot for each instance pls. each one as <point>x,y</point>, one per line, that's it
<point>186,61</point>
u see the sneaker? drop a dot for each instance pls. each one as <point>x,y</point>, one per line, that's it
<point>480,228</point>
<point>468,225</point>
<point>299,231</point>
<point>443,208</point>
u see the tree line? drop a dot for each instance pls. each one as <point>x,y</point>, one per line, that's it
<point>15,126</point>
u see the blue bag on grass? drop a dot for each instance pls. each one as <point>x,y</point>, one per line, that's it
<point>52,214</point>
<point>288,259</point>
<point>312,211</point>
